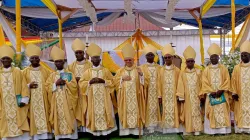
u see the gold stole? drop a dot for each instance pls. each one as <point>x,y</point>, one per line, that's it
<point>219,114</point>
<point>64,127</point>
<point>245,93</point>
<point>99,92</point>
<point>10,104</point>
<point>131,98</point>
<point>169,83</point>
<point>37,102</point>
<point>194,99</point>
<point>152,104</point>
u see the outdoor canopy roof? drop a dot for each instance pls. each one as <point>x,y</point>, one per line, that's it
<point>36,15</point>
<point>119,3</point>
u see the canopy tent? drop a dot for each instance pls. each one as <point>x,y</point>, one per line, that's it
<point>69,14</point>
<point>36,16</point>
<point>105,4</point>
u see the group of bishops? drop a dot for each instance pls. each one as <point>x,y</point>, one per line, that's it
<point>36,103</point>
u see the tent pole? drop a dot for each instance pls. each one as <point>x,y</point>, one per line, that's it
<point>199,21</point>
<point>233,23</point>
<point>18,29</point>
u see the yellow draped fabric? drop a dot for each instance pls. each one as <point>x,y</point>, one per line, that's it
<point>138,38</point>
<point>242,35</point>
<point>233,23</point>
<point>201,42</point>
<point>109,63</point>
<point>2,37</point>
<point>189,86</point>
<point>44,74</point>
<point>212,113</point>
<point>63,103</point>
<point>60,33</point>
<point>19,84</point>
<point>98,93</point>
<point>51,6</point>
<point>18,29</point>
<point>207,6</point>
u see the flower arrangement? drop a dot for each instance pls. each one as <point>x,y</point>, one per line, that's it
<point>231,60</point>
<point>18,63</point>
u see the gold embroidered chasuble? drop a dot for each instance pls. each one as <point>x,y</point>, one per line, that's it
<point>63,104</point>
<point>130,98</point>
<point>78,68</point>
<point>13,119</point>
<point>152,92</point>
<point>189,86</point>
<point>170,106</point>
<point>240,85</point>
<point>39,101</point>
<point>214,79</point>
<point>99,111</point>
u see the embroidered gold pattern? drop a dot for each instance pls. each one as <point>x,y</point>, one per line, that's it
<point>37,103</point>
<point>169,98</point>
<point>245,91</point>
<point>79,70</point>
<point>195,103</point>
<point>152,98</point>
<point>64,128</point>
<point>99,102</point>
<point>131,100</point>
<point>218,109</point>
<point>10,104</point>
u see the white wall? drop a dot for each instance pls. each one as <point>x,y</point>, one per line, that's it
<point>109,43</point>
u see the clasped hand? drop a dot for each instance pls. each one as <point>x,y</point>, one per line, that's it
<point>217,94</point>
<point>60,82</point>
<point>33,85</point>
<point>96,80</point>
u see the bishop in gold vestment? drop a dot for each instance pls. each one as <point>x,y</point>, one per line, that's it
<point>169,79</point>
<point>151,73</point>
<point>188,89</point>
<point>36,76</point>
<point>216,83</point>
<point>14,97</point>
<point>241,93</point>
<point>78,68</point>
<point>97,84</point>
<point>63,100</point>
<point>130,97</point>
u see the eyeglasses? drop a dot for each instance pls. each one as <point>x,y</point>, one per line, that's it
<point>167,57</point>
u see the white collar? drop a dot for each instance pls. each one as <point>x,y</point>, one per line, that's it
<point>215,66</point>
<point>60,71</point>
<point>94,67</point>
<point>246,63</point>
<point>168,67</point>
<point>37,68</point>
<point>81,62</point>
<point>8,69</point>
<point>150,63</point>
